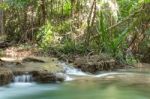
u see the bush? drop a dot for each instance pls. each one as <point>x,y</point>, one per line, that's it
<point>45,36</point>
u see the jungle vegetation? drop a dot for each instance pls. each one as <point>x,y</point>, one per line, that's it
<point>120,28</point>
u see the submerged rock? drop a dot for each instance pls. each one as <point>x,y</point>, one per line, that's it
<point>6,75</point>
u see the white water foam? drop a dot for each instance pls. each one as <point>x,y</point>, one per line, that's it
<point>25,78</point>
<point>106,74</point>
<point>70,70</point>
<point>68,78</point>
<point>71,73</point>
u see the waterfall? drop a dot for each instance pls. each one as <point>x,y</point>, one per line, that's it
<point>25,78</point>
<point>72,73</point>
<point>70,70</point>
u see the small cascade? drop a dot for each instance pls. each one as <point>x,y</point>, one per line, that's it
<point>68,78</point>
<point>73,73</point>
<point>70,70</point>
<point>25,78</point>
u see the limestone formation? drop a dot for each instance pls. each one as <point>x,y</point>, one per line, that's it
<point>6,75</point>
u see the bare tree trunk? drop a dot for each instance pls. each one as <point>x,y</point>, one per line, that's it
<point>1,21</point>
<point>43,7</point>
<point>90,22</point>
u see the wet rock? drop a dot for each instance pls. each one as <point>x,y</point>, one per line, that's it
<point>45,77</point>
<point>6,75</point>
<point>96,63</point>
<point>44,70</point>
<point>60,77</point>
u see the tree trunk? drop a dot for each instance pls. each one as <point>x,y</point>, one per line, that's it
<point>43,8</point>
<point>90,22</point>
<point>1,21</point>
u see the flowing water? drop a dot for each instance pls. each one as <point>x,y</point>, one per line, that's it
<point>117,85</point>
<point>25,78</point>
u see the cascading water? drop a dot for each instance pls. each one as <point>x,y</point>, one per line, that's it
<point>25,78</point>
<point>70,70</point>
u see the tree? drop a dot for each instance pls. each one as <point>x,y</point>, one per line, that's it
<point>1,20</point>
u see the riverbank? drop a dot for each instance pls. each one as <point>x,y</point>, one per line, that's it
<point>90,62</point>
<point>43,70</point>
<point>45,67</point>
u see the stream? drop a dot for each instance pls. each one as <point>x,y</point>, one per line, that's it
<point>80,85</point>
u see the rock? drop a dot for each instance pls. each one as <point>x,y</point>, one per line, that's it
<point>44,70</point>
<point>32,59</point>
<point>4,44</point>
<point>96,63</point>
<point>45,77</point>
<point>9,62</point>
<point>6,75</point>
<point>60,77</point>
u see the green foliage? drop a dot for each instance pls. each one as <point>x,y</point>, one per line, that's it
<point>144,1</point>
<point>4,6</point>
<point>45,35</point>
<point>64,9</point>
<point>63,28</point>
<point>126,7</point>
<point>130,59</point>
<point>110,41</point>
<point>70,46</point>
<point>28,15</point>
<point>18,3</point>
<point>67,7</point>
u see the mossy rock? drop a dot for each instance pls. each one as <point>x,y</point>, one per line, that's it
<point>96,63</point>
<point>46,77</point>
<point>6,75</point>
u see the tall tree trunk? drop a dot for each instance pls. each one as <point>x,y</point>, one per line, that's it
<point>90,22</point>
<point>1,21</point>
<point>43,8</point>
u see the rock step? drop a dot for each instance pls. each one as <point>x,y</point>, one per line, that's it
<point>6,75</point>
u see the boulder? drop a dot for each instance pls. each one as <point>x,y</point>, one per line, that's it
<point>45,77</point>
<point>6,75</point>
<point>96,63</point>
